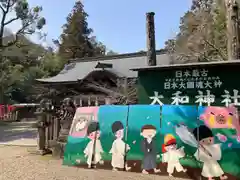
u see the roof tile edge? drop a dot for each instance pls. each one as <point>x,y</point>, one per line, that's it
<point>188,65</point>
<point>117,56</point>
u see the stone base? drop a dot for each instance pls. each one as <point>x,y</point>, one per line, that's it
<point>58,150</point>
<point>44,152</point>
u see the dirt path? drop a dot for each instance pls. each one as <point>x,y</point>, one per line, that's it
<point>19,163</point>
<point>18,133</point>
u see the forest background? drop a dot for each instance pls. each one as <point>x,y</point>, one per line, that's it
<point>201,38</point>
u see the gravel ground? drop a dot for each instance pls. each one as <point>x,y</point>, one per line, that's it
<point>18,163</point>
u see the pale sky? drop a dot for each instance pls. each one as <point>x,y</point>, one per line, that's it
<point>119,24</point>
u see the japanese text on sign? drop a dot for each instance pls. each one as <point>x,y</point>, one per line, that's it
<point>202,98</point>
<point>192,79</point>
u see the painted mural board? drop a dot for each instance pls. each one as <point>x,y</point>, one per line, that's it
<point>200,85</point>
<point>224,125</point>
<point>144,138</point>
<point>180,141</point>
<point>78,138</point>
<point>113,126</point>
<point>178,154</point>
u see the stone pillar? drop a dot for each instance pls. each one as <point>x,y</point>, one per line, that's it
<point>41,126</point>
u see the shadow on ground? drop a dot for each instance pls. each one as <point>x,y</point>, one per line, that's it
<point>17,131</point>
<point>192,173</point>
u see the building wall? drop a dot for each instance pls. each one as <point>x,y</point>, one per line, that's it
<point>215,85</point>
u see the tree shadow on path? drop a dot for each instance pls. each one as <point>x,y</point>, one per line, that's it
<point>13,131</point>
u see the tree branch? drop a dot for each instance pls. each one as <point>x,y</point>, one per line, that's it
<point>20,31</point>
<point>4,14</point>
<point>3,10</point>
<point>8,6</point>
<point>215,48</point>
<point>11,20</point>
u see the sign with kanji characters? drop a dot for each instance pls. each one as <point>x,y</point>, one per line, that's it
<point>195,78</point>
<point>203,86</point>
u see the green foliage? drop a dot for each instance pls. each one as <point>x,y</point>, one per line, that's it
<point>18,55</point>
<point>76,40</point>
<point>30,18</point>
<point>202,35</point>
<point>51,64</point>
<point>22,61</point>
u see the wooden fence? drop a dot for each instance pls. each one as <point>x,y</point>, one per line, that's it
<point>11,116</point>
<point>52,130</point>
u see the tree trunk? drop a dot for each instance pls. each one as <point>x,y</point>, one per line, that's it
<point>233,47</point>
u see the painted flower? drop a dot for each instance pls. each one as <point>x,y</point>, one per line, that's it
<point>78,161</point>
<point>221,137</point>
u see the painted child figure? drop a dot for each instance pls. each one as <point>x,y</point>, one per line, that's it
<point>118,150</point>
<point>208,153</point>
<point>93,149</point>
<point>149,149</point>
<point>171,154</point>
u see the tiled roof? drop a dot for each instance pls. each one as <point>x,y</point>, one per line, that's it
<point>199,64</point>
<point>121,64</point>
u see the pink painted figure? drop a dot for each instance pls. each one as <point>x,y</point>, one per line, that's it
<point>81,120</point>
<point>222,118</point>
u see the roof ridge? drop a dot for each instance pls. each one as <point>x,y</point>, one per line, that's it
<point>195,64</point>
<point>117,56</point>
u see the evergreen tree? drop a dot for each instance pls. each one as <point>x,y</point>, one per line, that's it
<point>76,40</point>
<point>17,53</point>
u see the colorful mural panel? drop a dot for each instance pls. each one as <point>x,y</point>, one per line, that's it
<point>144,138</point>
<point>113,125</point>
<point>224,144</point>
<point>178,141</point>
<point>81,137</point>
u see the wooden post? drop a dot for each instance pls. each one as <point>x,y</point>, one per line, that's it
<point>75,102</point>
<point>151,47</point>
<point>233,46</point>
<point>56,128</point>
<point>125,89</point>
<point>89,101</point>
<point>81,102</point>
<point>96,101</point>
<point>107,101</point>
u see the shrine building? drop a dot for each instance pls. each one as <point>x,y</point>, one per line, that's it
<point>101,80</point>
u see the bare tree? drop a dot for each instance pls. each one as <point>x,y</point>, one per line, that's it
<point>202,34</point>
